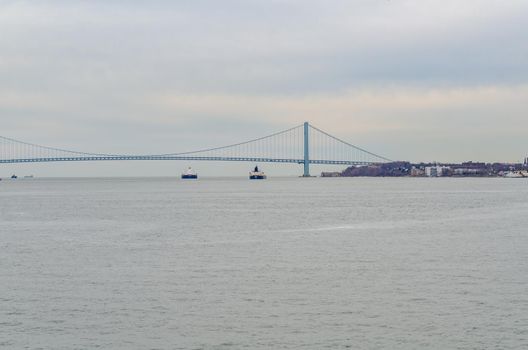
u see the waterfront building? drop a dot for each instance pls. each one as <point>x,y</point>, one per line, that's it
<point>417,172</point>
<point>436,171</point>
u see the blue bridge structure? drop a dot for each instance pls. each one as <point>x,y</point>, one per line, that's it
<point>304,144</point>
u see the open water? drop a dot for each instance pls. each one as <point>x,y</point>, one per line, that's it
<point>286,263</point>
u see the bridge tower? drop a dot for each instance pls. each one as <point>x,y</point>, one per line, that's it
<point>306,150</point>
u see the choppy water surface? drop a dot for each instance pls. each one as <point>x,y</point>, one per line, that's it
<point>278,264</point>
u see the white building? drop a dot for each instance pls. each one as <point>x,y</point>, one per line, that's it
<point>435,171</point>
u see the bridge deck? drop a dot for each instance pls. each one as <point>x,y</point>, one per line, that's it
<point>188,158</point>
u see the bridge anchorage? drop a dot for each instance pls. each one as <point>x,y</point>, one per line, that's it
<point>303,144</point>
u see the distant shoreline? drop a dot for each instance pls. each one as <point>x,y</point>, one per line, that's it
<point>407,169</point>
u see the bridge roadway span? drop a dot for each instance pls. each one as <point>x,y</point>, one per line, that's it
<point>224,159</point>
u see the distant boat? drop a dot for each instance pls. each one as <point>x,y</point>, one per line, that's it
<point>516,174</point>
<point>256,174</point>
<point>189,174</point>
<point>14,176</point>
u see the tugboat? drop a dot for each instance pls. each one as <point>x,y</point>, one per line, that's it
<point>256,174</point>
<point>189,174</point>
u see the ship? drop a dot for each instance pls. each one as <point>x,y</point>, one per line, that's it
<point>189,174</point>
<point>516,174</point>
<point>256,174</point>
<point>14,176</point>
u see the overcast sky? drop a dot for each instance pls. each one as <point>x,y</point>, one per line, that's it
<point>418,80</point>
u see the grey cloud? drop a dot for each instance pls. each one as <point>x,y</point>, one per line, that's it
<point>70,70</point>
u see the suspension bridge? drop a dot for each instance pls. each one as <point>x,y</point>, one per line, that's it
<point>304,144</point>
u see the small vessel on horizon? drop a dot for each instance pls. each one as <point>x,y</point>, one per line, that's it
<point>189,174</point>
<point>256,174</point>
<point>516,174</point>
<point>14,176</point>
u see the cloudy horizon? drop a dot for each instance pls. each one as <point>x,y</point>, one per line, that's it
<point>412,80</point>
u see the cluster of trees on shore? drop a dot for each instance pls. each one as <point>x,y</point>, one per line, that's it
<point>385,169</point>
